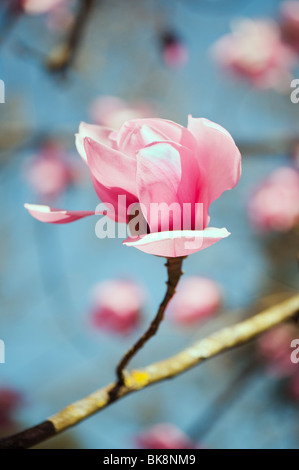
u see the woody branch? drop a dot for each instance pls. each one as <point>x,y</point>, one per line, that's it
<point>200,351</point>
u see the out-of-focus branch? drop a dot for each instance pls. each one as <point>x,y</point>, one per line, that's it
<point>272,146</point>
<point>11,15</point>
<point>202,350</point>
<point>62,56</point>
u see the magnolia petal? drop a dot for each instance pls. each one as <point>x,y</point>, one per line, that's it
<point>56,216</point>
<point>168,176</point>
<point>138,133</point>
<point>217,154</point>
<point>178,242</point>
<point>110,167</point>
<point>118,198</point>
<point>98,133</point>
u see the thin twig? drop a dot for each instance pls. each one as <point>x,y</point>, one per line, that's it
<point>174,270</point>
<point>209,347</point>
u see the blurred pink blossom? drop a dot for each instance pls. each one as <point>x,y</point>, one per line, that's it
<point>255,51</point>
<point>9,402</point>
<point>174,51</point>
<point>289,23</point>
<point>111,111</point>
<point>164,436</point>
<point>50,172</point>
<point>117,306</point>
<point>274,347</point>
<point>37,7</point>
<point>153,161</point>
<point>274,204</point>
<point>295,155</point>
<point>197,298</point>
<point>60,19</point>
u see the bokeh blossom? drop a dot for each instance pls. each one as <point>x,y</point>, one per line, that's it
<point>274,348</point>
<point>50,172</point>
<point>289,23</point>
<point>10,400</point>
<point>254,51</point>
<point>274,205</point>
<point>111,111</point>
<point>174,51</point>
<point>197,299</point>
<point>37,7</point>
<point>164,436</point>
<point>117,305</point>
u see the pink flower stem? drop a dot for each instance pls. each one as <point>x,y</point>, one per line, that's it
<point>174,270</point>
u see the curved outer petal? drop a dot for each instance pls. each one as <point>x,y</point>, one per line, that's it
<point>56,216</point>
<point>110,167</point>
<point>217,154</point>
<point>98,133</point>
<point>113,175</point>
<point>168,174</point>
<point>178,242</point>
<point>118,197</point>
<point>138,133</point>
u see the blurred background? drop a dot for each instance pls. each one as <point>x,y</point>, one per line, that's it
<point>104,62</point>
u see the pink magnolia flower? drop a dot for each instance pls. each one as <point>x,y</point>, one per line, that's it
<point>197,298</point>
<point>157,164</point>
<point>164,436</point>
<point>289,23</point>
<point>174,51</point>
<point>274,204</point>
<point>117,306</point>
<point>274,347</point>
<point>111,111</point>
<point>255,51</point>
<point>37,7</point>
<point>9,401</point>
<point>49,173</point>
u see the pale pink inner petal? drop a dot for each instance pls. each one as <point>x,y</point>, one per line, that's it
<point>136,134</point>
<point>98,133</point>
<point>177,243</point>
<point>168,186</point>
